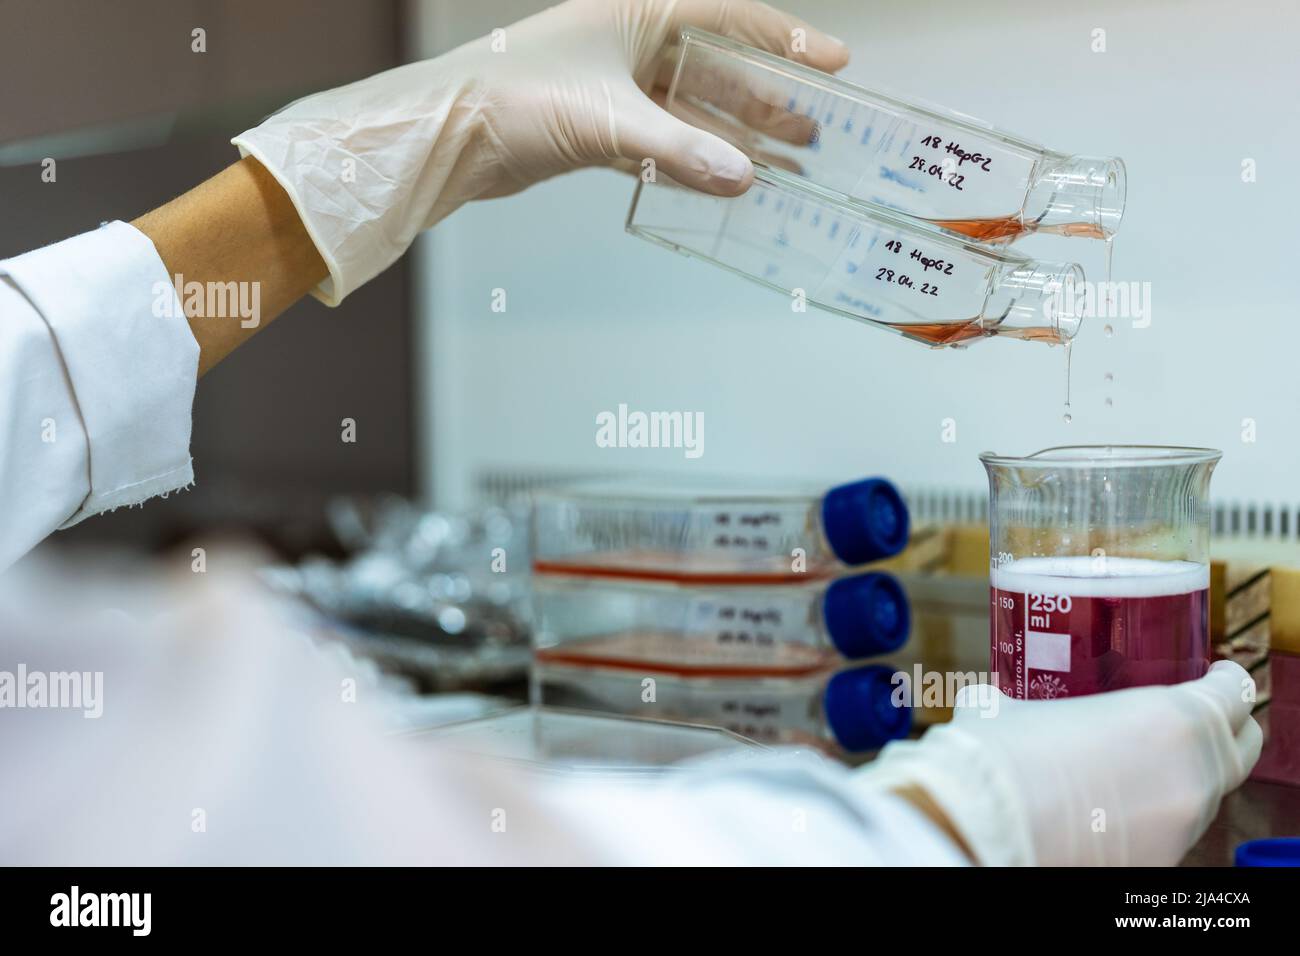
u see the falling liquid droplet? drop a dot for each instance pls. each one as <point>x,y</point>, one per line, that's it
<point>1067,382</point>
<point>1109,331</point>
<point>1110,403</point>
<point>1068,418</point>
<point>1110,258</point>
<point>1110,377</point>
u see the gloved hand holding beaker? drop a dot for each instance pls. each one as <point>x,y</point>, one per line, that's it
<point>371,164</point>
<point>1131,777</point>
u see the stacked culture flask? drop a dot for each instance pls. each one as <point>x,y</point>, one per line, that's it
<point>713,606</point>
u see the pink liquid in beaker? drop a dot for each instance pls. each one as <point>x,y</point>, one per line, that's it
<point>1062,627</point>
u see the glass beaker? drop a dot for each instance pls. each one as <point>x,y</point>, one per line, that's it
<point>1099,568</point>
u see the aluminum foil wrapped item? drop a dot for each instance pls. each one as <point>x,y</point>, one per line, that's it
<point>440,597</point>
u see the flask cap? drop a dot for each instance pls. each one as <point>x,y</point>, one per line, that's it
<point>865,521</point>
<point>861,711</point>
<point>866,614</point>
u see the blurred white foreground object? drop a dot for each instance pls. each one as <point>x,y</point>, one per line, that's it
<point>555,740</point>
<point>204,729</point>
<point>185,721</point>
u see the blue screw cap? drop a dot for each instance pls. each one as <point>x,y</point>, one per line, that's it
<point>1276,851</point>
<point>865,521</point>
<point>866,614</point>
<point>860,708</point>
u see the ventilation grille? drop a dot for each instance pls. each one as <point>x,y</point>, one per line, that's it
<point>1252,519</point>
<point>945,506</point>
<point>502,487</point>
<point>927,504</point>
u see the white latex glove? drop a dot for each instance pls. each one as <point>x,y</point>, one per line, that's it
<point>1132,777</point>
<point>370,165</point>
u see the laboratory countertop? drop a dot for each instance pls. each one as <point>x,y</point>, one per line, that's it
<point>1254,811</point>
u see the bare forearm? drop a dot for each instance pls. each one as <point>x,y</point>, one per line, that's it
<point>239,226</point>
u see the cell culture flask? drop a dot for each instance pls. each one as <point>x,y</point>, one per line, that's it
<point>863,261</point>
<point>766,631</point>
<point>851,711</point>
<point>719,532</point>
<point>925,161</point>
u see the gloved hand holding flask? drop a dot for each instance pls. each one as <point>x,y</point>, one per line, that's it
<point>370,165</point>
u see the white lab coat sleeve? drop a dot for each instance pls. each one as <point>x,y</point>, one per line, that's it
<point>97,374</point>
<point>786,808</point>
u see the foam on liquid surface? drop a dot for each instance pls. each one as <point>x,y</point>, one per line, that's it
<point>1085,576</point>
